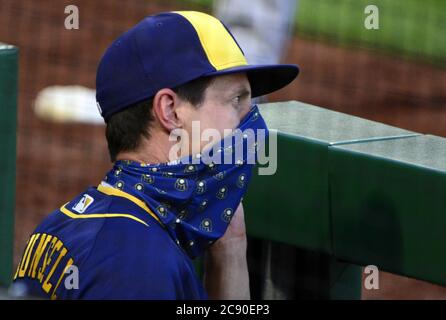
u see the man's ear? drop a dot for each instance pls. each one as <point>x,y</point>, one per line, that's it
<point>165,103</point>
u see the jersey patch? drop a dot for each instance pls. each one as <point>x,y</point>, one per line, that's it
<point>83,203</point>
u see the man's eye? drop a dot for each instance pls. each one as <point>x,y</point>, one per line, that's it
<point>236,100</point>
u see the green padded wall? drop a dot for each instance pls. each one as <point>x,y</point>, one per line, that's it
<point>389,205</point>
<point>8,125</point>
<point>357,190</point>
<point>292,206</point>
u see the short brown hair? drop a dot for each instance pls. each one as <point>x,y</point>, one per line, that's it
<point>125,129</point>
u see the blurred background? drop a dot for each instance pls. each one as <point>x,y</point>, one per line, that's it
<point>395,74</point>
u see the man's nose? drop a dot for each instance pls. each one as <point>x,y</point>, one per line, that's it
<point>245,111</point>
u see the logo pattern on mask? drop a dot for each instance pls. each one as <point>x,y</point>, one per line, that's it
<point>167,174</point>
<point>190,168</point>
<point>201,187</point>
<point>120,185</point>
<point>226,215</point>
<point>206,225</point>
<point>241,181</point>
<point>162,211</point>
<point>147,178</point>
<point>118,172</point>
<point>196,200</point>
<point>183,214</point>
<point>222,192</point>
<point>139,187</point>
<point>203,205</point>
<point>181,184</point>
<point>219,176</point>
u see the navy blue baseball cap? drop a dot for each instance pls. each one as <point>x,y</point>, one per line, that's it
<point>170,49</point>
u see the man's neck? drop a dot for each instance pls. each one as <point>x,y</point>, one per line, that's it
<point>150,151</point>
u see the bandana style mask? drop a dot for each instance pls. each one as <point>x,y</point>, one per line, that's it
<point>196,197</point>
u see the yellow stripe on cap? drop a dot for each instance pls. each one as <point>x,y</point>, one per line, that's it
<point>221,49</point>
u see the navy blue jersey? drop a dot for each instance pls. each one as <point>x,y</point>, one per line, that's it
<point>115,246</point>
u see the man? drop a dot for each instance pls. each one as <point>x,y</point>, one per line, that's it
<point>134,235</point>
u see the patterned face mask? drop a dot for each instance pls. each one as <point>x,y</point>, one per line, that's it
<point>196,197</point>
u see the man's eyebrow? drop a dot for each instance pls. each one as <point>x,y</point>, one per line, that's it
<point>241,91</point>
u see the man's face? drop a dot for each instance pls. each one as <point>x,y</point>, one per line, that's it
<point>226,101</point>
